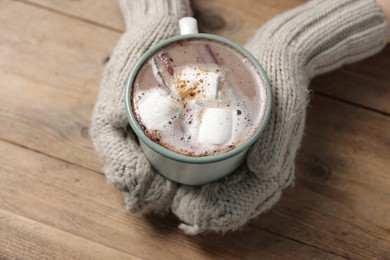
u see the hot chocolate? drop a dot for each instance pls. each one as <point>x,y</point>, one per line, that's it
<point>199,97</point>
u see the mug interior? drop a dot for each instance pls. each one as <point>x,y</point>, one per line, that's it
<point>181,157</point>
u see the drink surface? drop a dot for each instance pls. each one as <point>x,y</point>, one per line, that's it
<point>199,97</point>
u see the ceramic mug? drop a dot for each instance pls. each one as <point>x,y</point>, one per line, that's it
<point>186,169</point>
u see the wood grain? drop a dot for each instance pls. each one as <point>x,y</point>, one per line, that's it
<point>341,199</point>
<point>81,203</point>
<point>49,76</point>
<point>49,80</point>
<point>102,13</point>
<point>22,238</point>
<point>366,83</point>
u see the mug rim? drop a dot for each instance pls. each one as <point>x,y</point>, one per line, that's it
<point>178,156</point>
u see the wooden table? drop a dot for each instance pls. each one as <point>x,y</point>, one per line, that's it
<point>55,202</point>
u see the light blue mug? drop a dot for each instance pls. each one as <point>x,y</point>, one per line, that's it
<point>186,169</point>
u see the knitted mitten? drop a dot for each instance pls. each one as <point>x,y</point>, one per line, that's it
<point>294,47</point>
<point>148,22</point>
<point>314,38</point>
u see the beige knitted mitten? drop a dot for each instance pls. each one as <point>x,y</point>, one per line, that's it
<point>293,47</point>
<point>314,38</point>
<point>147,23</point>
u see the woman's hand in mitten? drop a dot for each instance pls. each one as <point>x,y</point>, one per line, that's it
<point>314,38</point>
<point>148,22</point>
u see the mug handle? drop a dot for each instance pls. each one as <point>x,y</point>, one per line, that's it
<point>188,25</point>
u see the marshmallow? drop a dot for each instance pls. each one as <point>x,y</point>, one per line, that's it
<point>157,110</point>
<point>216,127</point>
<point>202,84</point>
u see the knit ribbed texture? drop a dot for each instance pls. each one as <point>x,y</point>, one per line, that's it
<point>311,39</point>
<point>126,167</point>
<point>293,47</point>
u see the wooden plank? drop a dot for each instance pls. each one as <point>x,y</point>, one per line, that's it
<point>22,238</point>
<point>102,12</point>
<point>353,143</point>
<point>366,83</point>
<point>49,78</point>
<point>342,194</point>
<point>80,202</point>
